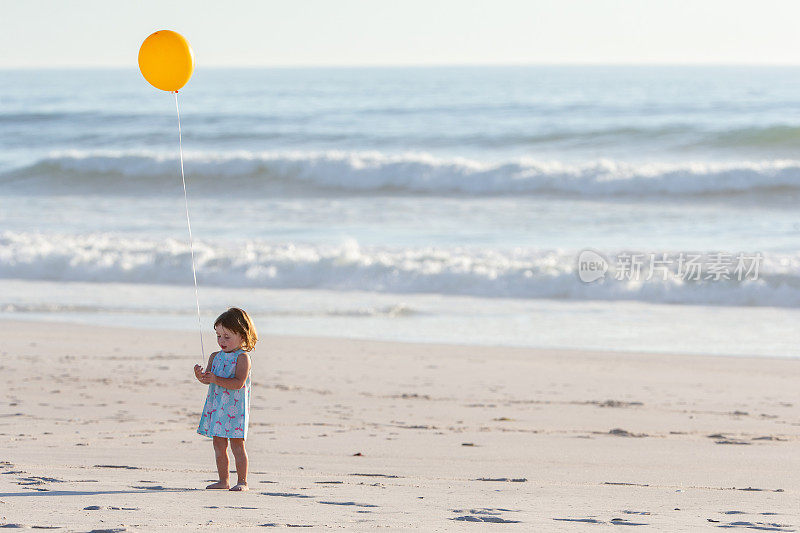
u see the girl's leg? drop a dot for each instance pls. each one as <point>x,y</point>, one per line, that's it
<point>221,453</point>
<point>240,456</point>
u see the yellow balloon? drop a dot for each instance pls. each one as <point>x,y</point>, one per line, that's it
<point>166,60</point>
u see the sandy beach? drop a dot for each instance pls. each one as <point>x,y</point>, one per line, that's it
<point>516,266</point>
<point>98,433</point>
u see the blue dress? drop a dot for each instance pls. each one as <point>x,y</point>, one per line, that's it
<point>226,412</point>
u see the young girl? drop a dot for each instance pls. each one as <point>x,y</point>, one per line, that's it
<point>227,409</point>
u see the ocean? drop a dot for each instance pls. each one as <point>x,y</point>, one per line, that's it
<point>436,204</point>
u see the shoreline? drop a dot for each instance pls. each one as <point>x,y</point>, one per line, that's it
<point>208,339</point>
<point>427,318</point>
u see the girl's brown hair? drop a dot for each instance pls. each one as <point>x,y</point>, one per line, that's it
<point>238,321</point>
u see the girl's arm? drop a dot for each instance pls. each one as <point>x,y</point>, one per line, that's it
<point>238,381</point>
<point>210,361</point>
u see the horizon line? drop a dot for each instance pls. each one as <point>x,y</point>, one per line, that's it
<point>412,65</point>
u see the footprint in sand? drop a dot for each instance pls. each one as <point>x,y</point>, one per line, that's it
<point>613,521</point>
<point>486,514</point>
<point>33,482</point>
<point>228,507</point>
<point>287,494</point>
<point>350,503</point>
<point>273,524</point>
<point>470,518</point>
<point>161,487</point>
<point>619,432</point>
<point>513,480</point>
<point>763,526</point>
<point>99,507</point>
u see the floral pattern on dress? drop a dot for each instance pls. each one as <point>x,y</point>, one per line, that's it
<point>226,412</point>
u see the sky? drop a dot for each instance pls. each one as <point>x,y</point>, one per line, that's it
<point>251,33</point>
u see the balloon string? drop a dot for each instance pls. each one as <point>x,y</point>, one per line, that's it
<point>189,225</point>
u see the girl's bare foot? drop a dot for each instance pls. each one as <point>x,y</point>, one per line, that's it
<point>219,485</point>
<point>240,486</point>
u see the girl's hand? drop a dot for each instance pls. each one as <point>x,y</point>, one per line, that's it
<point>207,377</point>
<point>198,372</point>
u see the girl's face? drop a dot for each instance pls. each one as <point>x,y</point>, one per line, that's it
<point>227,339</point>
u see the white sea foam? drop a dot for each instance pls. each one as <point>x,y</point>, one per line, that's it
<point>142,172</point>
<point>519,273</point>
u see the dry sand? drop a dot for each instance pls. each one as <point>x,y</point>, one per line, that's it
<point>98,432</point>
